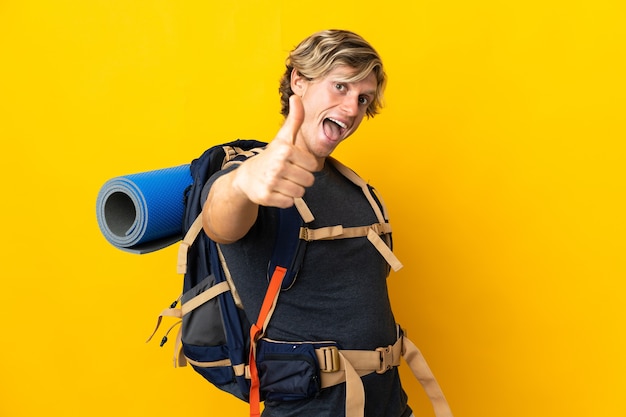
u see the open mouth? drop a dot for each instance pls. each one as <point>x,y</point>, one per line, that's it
<point>334,128</point>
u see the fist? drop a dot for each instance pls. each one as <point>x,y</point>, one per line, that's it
<point>283,171</point>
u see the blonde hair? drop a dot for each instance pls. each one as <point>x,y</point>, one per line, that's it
<point>324,51</point>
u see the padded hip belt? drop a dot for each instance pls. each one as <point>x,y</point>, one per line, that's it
<point>335,366</point>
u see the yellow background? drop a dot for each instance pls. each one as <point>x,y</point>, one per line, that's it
<point>500,155</point>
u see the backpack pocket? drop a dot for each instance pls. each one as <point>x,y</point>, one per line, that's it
<point>204,337</point>
<point>288,371</point>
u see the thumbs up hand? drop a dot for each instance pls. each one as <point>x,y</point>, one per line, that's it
<point>273,178</point>
<point>283,171</point>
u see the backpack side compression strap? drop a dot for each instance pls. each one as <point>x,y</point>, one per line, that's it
<point>187,241</point>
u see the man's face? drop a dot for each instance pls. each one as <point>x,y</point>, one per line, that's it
<point>333,109</point>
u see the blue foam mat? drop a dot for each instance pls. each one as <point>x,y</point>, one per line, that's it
<point>143,212</point>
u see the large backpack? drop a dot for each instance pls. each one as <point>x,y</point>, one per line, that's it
<point>219,342</point>
<point>214,333</point>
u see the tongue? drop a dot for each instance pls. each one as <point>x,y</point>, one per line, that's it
<point>331,130</point>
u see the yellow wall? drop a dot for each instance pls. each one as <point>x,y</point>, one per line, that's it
<point>500,155</point>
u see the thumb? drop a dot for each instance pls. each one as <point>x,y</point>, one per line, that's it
<point>294,120</point>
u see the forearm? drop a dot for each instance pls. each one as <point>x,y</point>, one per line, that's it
<point>228,213</point>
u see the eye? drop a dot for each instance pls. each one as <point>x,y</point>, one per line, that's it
<point>364,100</point>
<point>340,87</point>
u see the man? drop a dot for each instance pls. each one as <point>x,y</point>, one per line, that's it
<point>333,80</point>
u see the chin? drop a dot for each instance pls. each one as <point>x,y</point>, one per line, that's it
<point>328,145</point>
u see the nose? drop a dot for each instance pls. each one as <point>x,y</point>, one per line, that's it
<point>350,105</point>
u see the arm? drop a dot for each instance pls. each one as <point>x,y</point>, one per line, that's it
<point>273,178</point>
<point>228,213</point>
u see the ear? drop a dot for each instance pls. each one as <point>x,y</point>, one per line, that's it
<point>298,83</point>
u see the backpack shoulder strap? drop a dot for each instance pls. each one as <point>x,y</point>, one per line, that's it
<point>283,267</point>
<point>380,211</point>
<point>289,249</point>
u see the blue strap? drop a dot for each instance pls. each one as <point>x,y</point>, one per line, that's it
<point>289,248</point>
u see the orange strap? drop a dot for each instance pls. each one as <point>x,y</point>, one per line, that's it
<point>257,331</point>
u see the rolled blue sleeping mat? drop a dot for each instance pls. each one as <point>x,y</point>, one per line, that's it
<point>143,212</point>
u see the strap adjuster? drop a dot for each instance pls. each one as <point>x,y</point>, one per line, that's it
<point>330,355</point>
<point>379,228</point>
<point>386,359</point>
